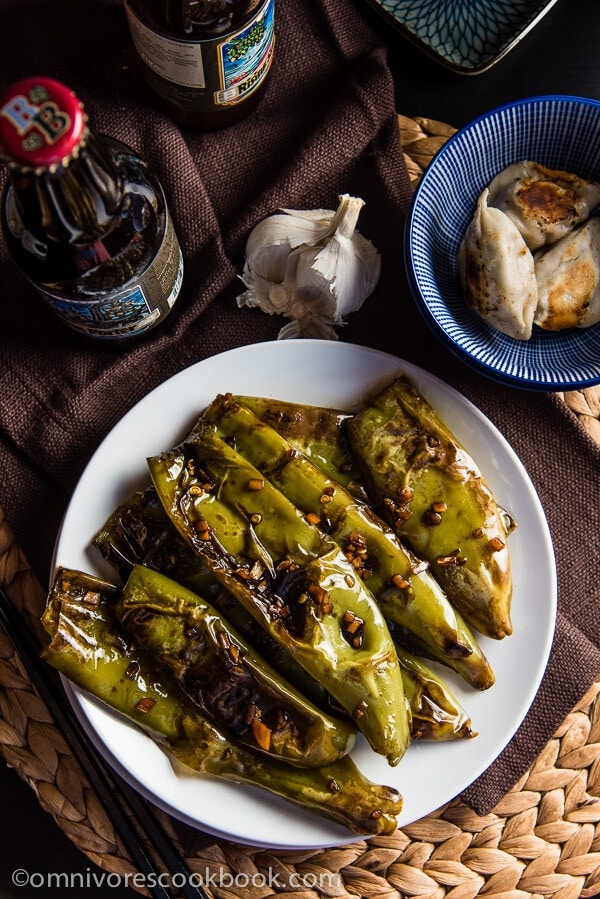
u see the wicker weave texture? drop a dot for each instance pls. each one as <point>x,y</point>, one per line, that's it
<point>541,840</point>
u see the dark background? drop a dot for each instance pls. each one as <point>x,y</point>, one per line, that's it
<point>560,55</point>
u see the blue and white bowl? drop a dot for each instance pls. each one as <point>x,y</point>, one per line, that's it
<point>560,132</point>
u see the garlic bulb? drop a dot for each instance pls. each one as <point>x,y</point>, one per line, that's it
<point>311,266</point>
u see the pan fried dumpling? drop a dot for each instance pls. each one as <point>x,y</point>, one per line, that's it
<point>568,277</point>
<point>496,271</point>
<point>544,204</point>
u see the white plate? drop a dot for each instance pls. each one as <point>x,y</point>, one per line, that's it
<point>331,374</point>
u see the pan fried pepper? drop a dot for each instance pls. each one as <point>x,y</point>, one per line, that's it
<point>338,791</point>
<point>320,433</point>
<point>292,578</point>
<point>317,432</point>
<point>139,532</point>
<point>432,493</point>
<point>412,598</point>
<point>437,715</point>
<point>130,533</point>
<point>88,646</point>
<point>225,676</point>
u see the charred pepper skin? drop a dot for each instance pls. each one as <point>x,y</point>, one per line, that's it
<point>83,631</point>
<point>339,791</point>
<point>434,496</point>
<point>219,671</point>
<point>317,432</point>
<point>401,583</point>
<point>139,532</point>
<point>437,715</point>
<point>88,645</point>
<point>291,577</point>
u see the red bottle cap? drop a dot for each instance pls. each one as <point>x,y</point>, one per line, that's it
<point>42,123</point>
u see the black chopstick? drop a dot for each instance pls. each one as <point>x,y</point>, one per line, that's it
<point>107,785</point>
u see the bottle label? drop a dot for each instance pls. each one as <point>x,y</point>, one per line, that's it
<point>134,309</point>
<point>207,74</point>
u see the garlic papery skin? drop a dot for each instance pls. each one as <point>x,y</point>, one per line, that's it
<point>311,266</point>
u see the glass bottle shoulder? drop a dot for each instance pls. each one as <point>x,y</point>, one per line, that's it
<point>194,19</point>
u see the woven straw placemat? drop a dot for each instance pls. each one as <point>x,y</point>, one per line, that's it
<point>541,840</point>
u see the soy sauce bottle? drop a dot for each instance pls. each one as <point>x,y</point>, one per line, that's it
<point>84,218</point>
<point>205,61</point>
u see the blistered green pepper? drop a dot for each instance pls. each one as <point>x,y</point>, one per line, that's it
<point>339,791</point>
<point>437,715</point>
<point>320,433</point>
<point>132,536</point>
<point>316,431</point>
<point>435,497</point>
<point>139,532</point>
<point>88,647</point>
<point>91,649</point>
<point>226,676</point>
<point>411,597</point>
<point>291,577</point>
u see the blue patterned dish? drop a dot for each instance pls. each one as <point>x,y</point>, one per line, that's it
<point>557,131</point>
<point>466,36</point>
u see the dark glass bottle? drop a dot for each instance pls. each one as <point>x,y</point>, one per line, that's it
<point>206,61</point>
<point>83,217</point>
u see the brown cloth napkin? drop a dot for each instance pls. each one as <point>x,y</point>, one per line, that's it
<point>327,125</point>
